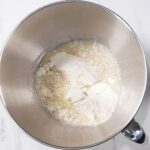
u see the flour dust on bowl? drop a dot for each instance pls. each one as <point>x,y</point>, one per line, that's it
<point>36,44</point>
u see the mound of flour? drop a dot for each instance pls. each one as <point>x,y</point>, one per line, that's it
<point>79,82</point>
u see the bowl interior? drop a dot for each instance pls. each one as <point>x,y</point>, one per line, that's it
<point>46,29</point>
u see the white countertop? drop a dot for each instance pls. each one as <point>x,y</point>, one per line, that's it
<point>135,12</point>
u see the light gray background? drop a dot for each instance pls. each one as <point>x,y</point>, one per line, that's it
<point>135,12</point>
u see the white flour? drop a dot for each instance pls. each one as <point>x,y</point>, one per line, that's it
<point>79,83</point>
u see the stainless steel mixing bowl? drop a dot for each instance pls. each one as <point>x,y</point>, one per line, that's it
<point>44,30</point>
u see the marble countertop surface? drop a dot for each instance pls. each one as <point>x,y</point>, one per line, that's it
<point>135,12</point>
